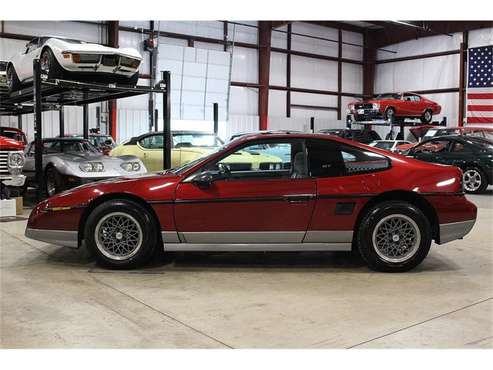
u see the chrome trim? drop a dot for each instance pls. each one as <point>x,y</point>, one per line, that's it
<point>242,237</point>
<point>58,237</point>
<point>170,237</point>
<point>291,247</point>
<point>454,230</point>
<point>328,236</point>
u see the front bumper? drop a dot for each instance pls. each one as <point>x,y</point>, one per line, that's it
<point>366,114</point>
<point>455,230</point>
<point>57,237</point>
<point>13,181</point>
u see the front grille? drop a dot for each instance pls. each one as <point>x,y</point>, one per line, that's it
<point>4,156</point>
<point>110,60</point>
<point>363,106</point>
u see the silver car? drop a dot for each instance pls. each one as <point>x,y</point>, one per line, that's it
<point>69,162</point>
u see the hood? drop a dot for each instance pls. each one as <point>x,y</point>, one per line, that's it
<point>10,144</point>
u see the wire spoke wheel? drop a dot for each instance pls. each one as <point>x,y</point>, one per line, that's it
<point>396,238</point>
<point>45,62</point>
<point>118,236</point>
<point>472,180</point>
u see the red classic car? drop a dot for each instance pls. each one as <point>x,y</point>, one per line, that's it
<point>329,194</point>
<point>397,105</point>
<point>15,134</point>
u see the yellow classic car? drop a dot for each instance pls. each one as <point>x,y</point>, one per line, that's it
<point>188,146</point>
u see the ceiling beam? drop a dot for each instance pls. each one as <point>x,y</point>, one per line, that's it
<point>339,25</point>
<point>277,24</point>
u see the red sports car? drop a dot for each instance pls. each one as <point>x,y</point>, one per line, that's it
<point>323,194</point>
<point>397,105</point>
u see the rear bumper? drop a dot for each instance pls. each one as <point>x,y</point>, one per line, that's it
<point>455,230</point>
<point>57,237</point>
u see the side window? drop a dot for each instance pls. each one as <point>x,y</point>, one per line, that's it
<point>268,159</point>
<point>330,159</point>
<point>416,98</point>
<point>408,97</point>
<point>152,142</point>
<point>362,161</point>
<point>459,147</point>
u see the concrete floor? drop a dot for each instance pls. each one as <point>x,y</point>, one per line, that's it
<point>53,297</point>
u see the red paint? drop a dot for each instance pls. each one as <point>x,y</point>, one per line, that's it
<point>479,119</point>
<point>480,108</point>
<point>13,134</point>
<point>10,144</point>
<point>184,206</point>
<point>479,96</point>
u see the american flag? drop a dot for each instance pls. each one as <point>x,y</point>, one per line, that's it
<point>480,85</point>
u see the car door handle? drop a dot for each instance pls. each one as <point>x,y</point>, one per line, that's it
<point>298,198</point>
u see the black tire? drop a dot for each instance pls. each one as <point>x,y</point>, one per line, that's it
<point>478,187</point>
<point>427,116</point>
<point>374,222</point>
<point>49,64</point>
<point>143,248</point>
<point>389,112</point>
<point>54,182</point>
<point>13,83</point>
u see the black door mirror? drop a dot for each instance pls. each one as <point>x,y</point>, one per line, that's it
<point>205,179</point>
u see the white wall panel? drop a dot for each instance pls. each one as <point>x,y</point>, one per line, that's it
<point>239,33</point>
<point>313,99</point>
<point>172,41</point>
<point>136,24</point>
<point>420,74</point>
<point>243,101</point>
<point>277,103</point>
<point>83,31</point>
<point>450,107</point>
<point>211,29</point>
<point>481,37</point>
<point>245,65</point>
<point>239,123</point>
<point>425,45</point>
<point>313,73</point>
<point>279,39</point>
<point>136,41</point>
<point>292,123</point>
<point>315,46</point>
<point>9,47</point>
<point>208,45</point>
<point>352,78</point>
<point>278,69</point>
<point>350,51</point>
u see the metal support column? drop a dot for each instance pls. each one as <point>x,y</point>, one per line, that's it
<point>167,121</point>
<point>85,121</point>
<point>312,124</point>
<point>19,122</point>
<point>156,120</point>
<point>38,130</point>
<point>216,117</point>
<point>98,118</point>
<point>61,122</point>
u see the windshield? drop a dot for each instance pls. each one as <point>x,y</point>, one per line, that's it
<point>388,96</point>
<point>67,146</point>
<point>387,145</point>
<point>195,139</point>
<point>101,140</point>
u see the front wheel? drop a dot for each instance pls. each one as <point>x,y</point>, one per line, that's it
<point>13,83</point>
<point>474,180</point>
<point>394,236</point>
<point>49,64</point>
<point>427,116</point>
<point>122,234</point>
<point>54,182</point>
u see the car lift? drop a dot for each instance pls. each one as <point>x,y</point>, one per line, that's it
<point>54,94</point>
<point>391,123</point>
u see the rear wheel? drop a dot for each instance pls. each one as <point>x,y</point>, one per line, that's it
<point>427,116</point>
<point>122,234</point>
<point>394,236</point>
<point>13,82</point>
<point>49,64</point>
<point>474,180</point>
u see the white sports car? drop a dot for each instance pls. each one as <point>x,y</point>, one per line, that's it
<point>68,58</point>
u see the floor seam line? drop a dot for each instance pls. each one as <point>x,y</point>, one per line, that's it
<point>422,322</point>
<point>162,313</point>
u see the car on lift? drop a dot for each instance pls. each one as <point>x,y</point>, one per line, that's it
<point>474,155</point>
<point>335,195</point>
<point>389,145</point>
<point>62,57</point>
<point>397,106</point>
<point>364,136</point>
<point>188,146</point>
<point>15,134</point>
<point>11,162</point>
<point>69,162</point>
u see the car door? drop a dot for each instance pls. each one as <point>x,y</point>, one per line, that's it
<point>151,148</point>
<point>261,199</point>
<point>409,106</point>
<point>24,64</point>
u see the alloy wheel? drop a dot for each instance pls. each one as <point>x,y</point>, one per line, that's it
<point>396,238</point>
<point>428,116</point>
<point>45,62</point>
<point>118,236</point>
<point>472,180</point>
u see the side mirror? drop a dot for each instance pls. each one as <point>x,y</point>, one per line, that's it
<point>205,179</point>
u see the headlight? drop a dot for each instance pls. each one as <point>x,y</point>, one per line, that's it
<point>16,159</point>
<point>130,166</point>
<point>376,106</point>
<point>91,167</point>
